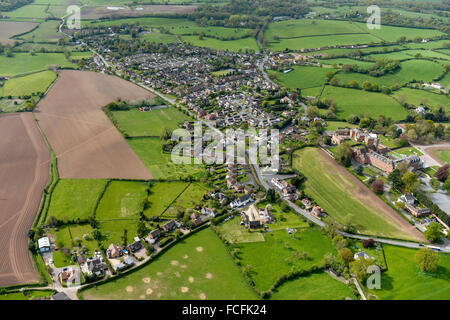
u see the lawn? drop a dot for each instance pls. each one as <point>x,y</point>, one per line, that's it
<point>192,196</point>
<point>316,286</point>
<point>333,125</point>
<point>418,97</point>
<point>27,85</point>
<point>234,232</point>
<point>75,199</point>
<point>443,154</point>
<point>359,102</point>
<point>302,77</point>
<point>149,123</point>
<point>389,142</point>
<point>197,268</point>
<point>162,194</point>
<point>27,295</point>
<point>405,281</point>
<point>22,63</point>
<point>160,164</point>
<point>407,151</point>
<point>341,198</point>
<point>276,255</point>
<point>243,44</point>
<point>122,200</point>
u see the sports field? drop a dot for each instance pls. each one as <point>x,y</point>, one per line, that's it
<point>302,77</point>
<point>404,281</point>
<point>29,84</point>
<point>343,197</point>
<point>197,268</point>
<point>359,102</point>
<point>74,199</point>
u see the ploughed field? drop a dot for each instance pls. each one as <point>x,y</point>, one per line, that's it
<point>24,172</point>
<point>84,140</point>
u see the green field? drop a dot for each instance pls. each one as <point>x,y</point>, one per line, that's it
<point>75,199</point>
<point>112,231</point>
<point>390,33</point>
<point>29,11</point>
<point>358,102</point>
<point>243,44</point>
<point>27,85</point>
<point>234,232</point>
<point>160,165</point>
<point>342,61</point>
<point>75,55</point>
<point>333,125</point>
<point>407,151</point>
<point>276,255</point>
<point>27,295</point>
<point>404,280</point>
<point>443,154</point>
<point>23,63</point>
<point>316,286</point>
<point>149,123</point>
<point>340,197</point>
<point>46,32</point>
<point>192,196</point>
<point>122,200</point>
<point>311,91</point>
<point>302,77</point>
<point>422,97</point>
<point>162,194</point>
<point>389,141</point>
<point>200,266</point>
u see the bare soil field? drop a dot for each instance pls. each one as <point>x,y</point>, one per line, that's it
<point>12,28</point>
<point>24,172</point>
<point>84,140</point>
<point>125,11</point>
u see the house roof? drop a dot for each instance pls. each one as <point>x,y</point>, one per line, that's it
<point>43,242</point>
<point>60,296</point>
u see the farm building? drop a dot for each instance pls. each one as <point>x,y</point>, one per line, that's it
<point>44,244</point>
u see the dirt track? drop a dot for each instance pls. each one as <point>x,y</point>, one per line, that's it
<point>83,138</point>
<point>24,171</point>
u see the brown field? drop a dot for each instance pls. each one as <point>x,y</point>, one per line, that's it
<point>11,28</point>
<point>84,140</point>
<point>103,11</point>
<point>24,171</point>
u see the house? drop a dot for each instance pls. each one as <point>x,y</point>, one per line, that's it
<point>209,212</point>
<point>417,211</point>
<point>154,234</point>
<point>44,245</point>
<point>95,266</point>
<point>318,212</point>
<point>81,259</point>
<point>407,198</point>
<point>169,226</point>
<point>254,218</point>
<point>60,296</point>
<point>129,261</point>
<point>241,201</point>
<point>135,246</point>
<point>306,202</point>
<point>196,222</point>
<point>67,274</point>
<point>113,251</point>
<point>362,254</point>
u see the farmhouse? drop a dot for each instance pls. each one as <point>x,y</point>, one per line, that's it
<point>254,218</point>
<point>407,198</point>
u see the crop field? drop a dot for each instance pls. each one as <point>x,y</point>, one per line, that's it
<point>276,255</point>
<point>302,77</point>
<point>122,200</point>
<point>422,97</point>
<point>46,32</point>
<point>29,84</point>
<point>316,286</point>
<point>358,102</point>
<point>198,268</point>
<point>410,70</point>
<point>159,163</point>
<point>24,171</point>
<point>192,196</point>
<point>404,281</point>
<point>22,63</point>
<point>343,197</point>
<point>243,44</point>
<point>162,194</point>
<point>150,123</point>
<point>85,141</point>
<point>11,28</point>
<point>75,199</point>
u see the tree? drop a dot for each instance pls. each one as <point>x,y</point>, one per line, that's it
<point>346,255</point>
<point>342,154</point>
<point>142,229</point>
<point>434,233</point>
<point>378,186</point>
<point>359,170</point>
<point>368,243</point>
<point>340,242</point>
<point>96,234</point>
<point>427,259</point>
<point>396,178</point>
<point>442,173</point>
<point>359,268</point>
<point>410,181</point>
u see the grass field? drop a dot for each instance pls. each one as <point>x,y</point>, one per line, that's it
<point>27,295</point>
<point>342,61</point>
<point>405,281</point>
<point>27,85</point>
<point>418,97</point>
<point>311,91</point>
<point>160,165</point>
<point>333,125</point>
<point>192,196</point>
<point>162,194</point>
<point>276,255</point>
<point>390,33</point>
<point>234,232</point>
<point>197,268</point>
<point>149,123</point>
<point>443,154</point>
<point>418,70</point>
<point>244,44</point>
<point>389,141</point>
<point>46,32</point>
<point>23,63</point>
<point>316,286</point>
<point>358,102</point>
<point>341,198</point>
<point>29,11</point>
<point>75,199</point>
<point>407,151</point>
<point>122,200</point>
<point>302,77</point>
<point>112,231</point>
<point>78,55</point>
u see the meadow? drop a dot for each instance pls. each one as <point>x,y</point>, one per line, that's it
<point>237,45</point>
<point>162,194</point>
<point>359,102</point>
<point>29,84</point>
<point>302,77</point>
<point>333,125</point>
<point>315,286</point>
<point>191,196</point>
<point>344,198</point>
<point>46,32</point>
<point>417,97</point>
<point>404,281</point>
<point>29,12</point>
<point>149,123</point>
<point>342,61</point>
<point>390,33</point>
<point>197,268</point>
<point>23,63</point>
<point>74,199</point>
<point>112,231</point>
<point>122,200</point>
